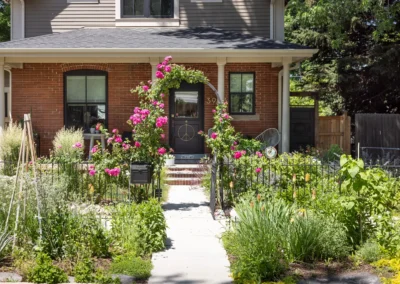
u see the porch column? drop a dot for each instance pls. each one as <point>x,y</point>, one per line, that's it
<point>154,61</point>
<point>221,62</point>
<point>286,105</point>
<point>2,98</point>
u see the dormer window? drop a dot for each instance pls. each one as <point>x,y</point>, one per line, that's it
<point>147,8</point>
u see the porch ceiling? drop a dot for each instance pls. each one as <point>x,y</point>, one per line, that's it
<point>136,43</point>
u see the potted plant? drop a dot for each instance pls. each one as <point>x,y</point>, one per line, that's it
<point>169,160</point>
<point>93,129</point>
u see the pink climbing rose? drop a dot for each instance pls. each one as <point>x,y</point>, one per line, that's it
<point>162,120</point>
<point>115,131</point>
<point>160,75</point>
<point>168,58</point>
<point>167,68</point>
<point>162,135</point>
<point>258,170</point>
<point>214,135</point>
<point>145,88</point>
<point>113,172</point>
<point>162,95</point>
<point>237,155</point>
<point>95,149</point>
<point>118,139</point>
<point>259,154</point>
<point>110,140</point>
<point>77,145</point>
<point>92,172</point>
<point>126,146</point>
<point>161,105</point>
<point>137,144</point>
<point>162,151</point>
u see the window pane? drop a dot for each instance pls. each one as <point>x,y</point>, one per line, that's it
<point>186,104</point>
<point>161,8</point>
<point>247,82</point>
<point>235,83</point>
<point>241,103</point>
<point>139,8</point>
<point>76,89</point>
<point>75,116</point>
<point>96,89</point>
<point>95,114</point>
<point>127,8</point>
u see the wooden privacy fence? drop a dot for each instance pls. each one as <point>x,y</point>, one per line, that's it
<point>334,130</point>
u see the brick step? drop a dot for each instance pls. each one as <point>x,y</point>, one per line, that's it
<point>186,174</point>
<point>183,181</point>
<point>179,168</point>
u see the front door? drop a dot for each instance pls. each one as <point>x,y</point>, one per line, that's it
<point>187,118</point>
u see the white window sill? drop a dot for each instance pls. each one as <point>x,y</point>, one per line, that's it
<point>252,117</point>
<point>129,22</point>
<point>206,1</point>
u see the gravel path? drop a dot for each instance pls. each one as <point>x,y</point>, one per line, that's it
<point>194,252</point>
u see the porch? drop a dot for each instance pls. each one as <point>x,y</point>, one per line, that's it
<point>83,77</point>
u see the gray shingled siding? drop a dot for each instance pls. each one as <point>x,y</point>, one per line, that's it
<point>250,16</point>
<point>49,16</point>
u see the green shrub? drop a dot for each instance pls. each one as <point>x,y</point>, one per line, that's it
<point>270,235</point>
<point>369,252</point>
<point>45,272</point>
<point>68,144</point>
<point>333,154</point>
<point>84,271</point>
<point>139,228</point>
<point>132,266</point>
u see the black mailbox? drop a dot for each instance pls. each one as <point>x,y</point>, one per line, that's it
<point>141,173</point>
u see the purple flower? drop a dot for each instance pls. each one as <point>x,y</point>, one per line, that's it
<point>160,75</point>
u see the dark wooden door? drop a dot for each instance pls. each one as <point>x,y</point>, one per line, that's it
<point>302,128</point>
<point>187,118</point>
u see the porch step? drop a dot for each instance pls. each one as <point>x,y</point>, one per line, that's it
<point>186,174</point>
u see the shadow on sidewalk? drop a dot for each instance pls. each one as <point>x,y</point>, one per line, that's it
<point>183,206</point>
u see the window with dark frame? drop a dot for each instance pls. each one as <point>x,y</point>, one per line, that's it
<point>242,93</point>
<point>6,104</point>
<point>147,8</point>
<point>85,98</point>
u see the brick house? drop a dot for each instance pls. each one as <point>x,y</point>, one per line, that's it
<point>74,62</point>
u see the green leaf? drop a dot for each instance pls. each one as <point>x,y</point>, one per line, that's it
<point>353,171</point>
<point>343,160</point>
<point>360,164</point>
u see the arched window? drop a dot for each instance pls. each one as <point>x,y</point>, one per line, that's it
<point>85,97</point>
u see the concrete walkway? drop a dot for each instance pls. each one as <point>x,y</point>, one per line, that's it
<point>194,252</point>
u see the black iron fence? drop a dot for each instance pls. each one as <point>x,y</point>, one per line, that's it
<point>294,178</point>
<point>81,180</point>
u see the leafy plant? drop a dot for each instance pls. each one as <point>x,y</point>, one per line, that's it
<point>139,228</point>
<point>5,239</point>
<point>45,272</point>
<point>133,266</point>
<point>369,252</point>
<point>10,143</point>
<point>83,271</point>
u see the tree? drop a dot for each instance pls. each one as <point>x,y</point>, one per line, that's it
<point>357,66</point>
<point>5,22</point>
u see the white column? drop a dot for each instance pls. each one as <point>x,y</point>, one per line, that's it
<point>286,105</point>
<point>154,61</point>
<point>2,99</point>
<point>221,62</point>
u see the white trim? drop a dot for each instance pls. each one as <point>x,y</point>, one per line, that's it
<point>83,1</point>
<point>2,98</point>
<point>286,106</point>
<point>271,19</point>
<point>17,19</point>
<point>144,22</point>
<point>117,9</point>
<point>250,117</point>
<point>221,62</point>
<point>176,9</point>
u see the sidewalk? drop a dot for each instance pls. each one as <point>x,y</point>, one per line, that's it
<point>194,253</point>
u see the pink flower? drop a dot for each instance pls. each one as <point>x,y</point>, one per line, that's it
<point>167,68</point>
<point>94,149</point>
<point>92,172</point>
<point>237,155</point>
<point>162,136</point>
<point>226,116</point>
<point>155,103</point>
<point>137,144</point>
<point>168,58</point>
<point>165,62</point>
<point>145,88</point>
<point>110,140</point>
<point>118,139</point>
<point>162,151</point>
<point>235,143</point>
<point>162,120</point>
<point>201,132</point>
<point>220,119</point>
<point>149,82</point>
<point>161,105</point>
<point>233,148</point>
<point>259,154</point>
<point>136,118</point>
<point>59,147</point>
<point>145,112</point>
<point>115,131</point>
<point>214,135</point>
<point>77,145</point>
<point>136,110</point>
<point>91,167</point>
<point>125,146</point>
<point>214,111</point>
<point>113,172</point>
<point>258,170</point>
<point>162,95</point>
<point>160,66</point>
<point>160,75</point>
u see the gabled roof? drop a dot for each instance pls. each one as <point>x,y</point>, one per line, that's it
<point>206,38</point>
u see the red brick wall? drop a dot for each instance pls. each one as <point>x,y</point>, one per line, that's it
<point>38,88</point>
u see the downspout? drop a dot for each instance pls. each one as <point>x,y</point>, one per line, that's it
<point>271,19</point>
<point>23,18</point>
<point>297,66</point>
